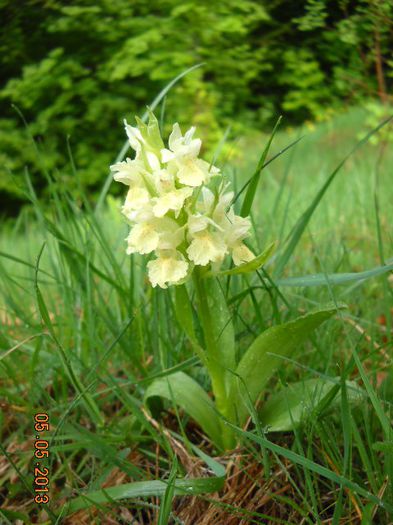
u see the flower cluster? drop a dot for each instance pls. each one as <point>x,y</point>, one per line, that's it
<point>171,209</point>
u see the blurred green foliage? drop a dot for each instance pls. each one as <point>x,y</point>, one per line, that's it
<point>74,70</point>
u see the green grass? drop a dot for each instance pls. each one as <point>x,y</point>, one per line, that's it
<point>83,335</point>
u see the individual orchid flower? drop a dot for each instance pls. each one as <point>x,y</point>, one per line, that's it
<point>195,172</point>
<point>207,247</point>
<point>137,198</point>
<point>179,146</point>
<point>128,172</point>
<point>148,236</point>
<point>183,153</point>
<point>172,200</point>
<point>169,268</point>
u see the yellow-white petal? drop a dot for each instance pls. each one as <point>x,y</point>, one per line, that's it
<point>221,211</point>
<point>153,161</point>
<point>136,199</point>
<point>236,228</point>
<point>241,254</point>
<point>193,172</point>
<point>174,137</point>
<point>180,146</point>
<point>197,223</point>
<point>166,270</point>
<point>207,202</point>
<point>207,247</point>
<point>143,238</point>
<point>167,155</point>
<point>173,200</point>
<point>188,135</point>
<point>128,172</point>
<point>170,238</point>
<point>134,136</point>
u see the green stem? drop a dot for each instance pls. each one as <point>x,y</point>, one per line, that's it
<point>216,371</point>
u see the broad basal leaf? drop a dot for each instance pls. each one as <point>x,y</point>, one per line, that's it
<point>286,409</point>
<point>185,392</point>
<point>263,356</point>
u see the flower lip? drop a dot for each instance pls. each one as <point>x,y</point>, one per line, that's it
<point>173,200</point>
<point>207,247</point>
<point>168,268</point>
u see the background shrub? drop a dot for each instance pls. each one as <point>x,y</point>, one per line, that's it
<point>75,69</point>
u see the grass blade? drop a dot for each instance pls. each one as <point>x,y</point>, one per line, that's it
<point>321,279</point>
<point>300,226</point>
<point>166,503</point>
<point>303,461</point>
<point>253,182</point>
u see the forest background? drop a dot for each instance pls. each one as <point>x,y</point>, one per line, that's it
<point>73,70</point>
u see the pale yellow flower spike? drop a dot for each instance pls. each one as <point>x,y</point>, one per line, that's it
<point>172,212</point>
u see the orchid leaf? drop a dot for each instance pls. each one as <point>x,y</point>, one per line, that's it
<point>222,325</point>
<point>293,404</point>
<point>263,356</point>
<point>185,392</point>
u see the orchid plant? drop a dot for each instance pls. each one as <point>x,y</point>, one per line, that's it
<point>181,212</point>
